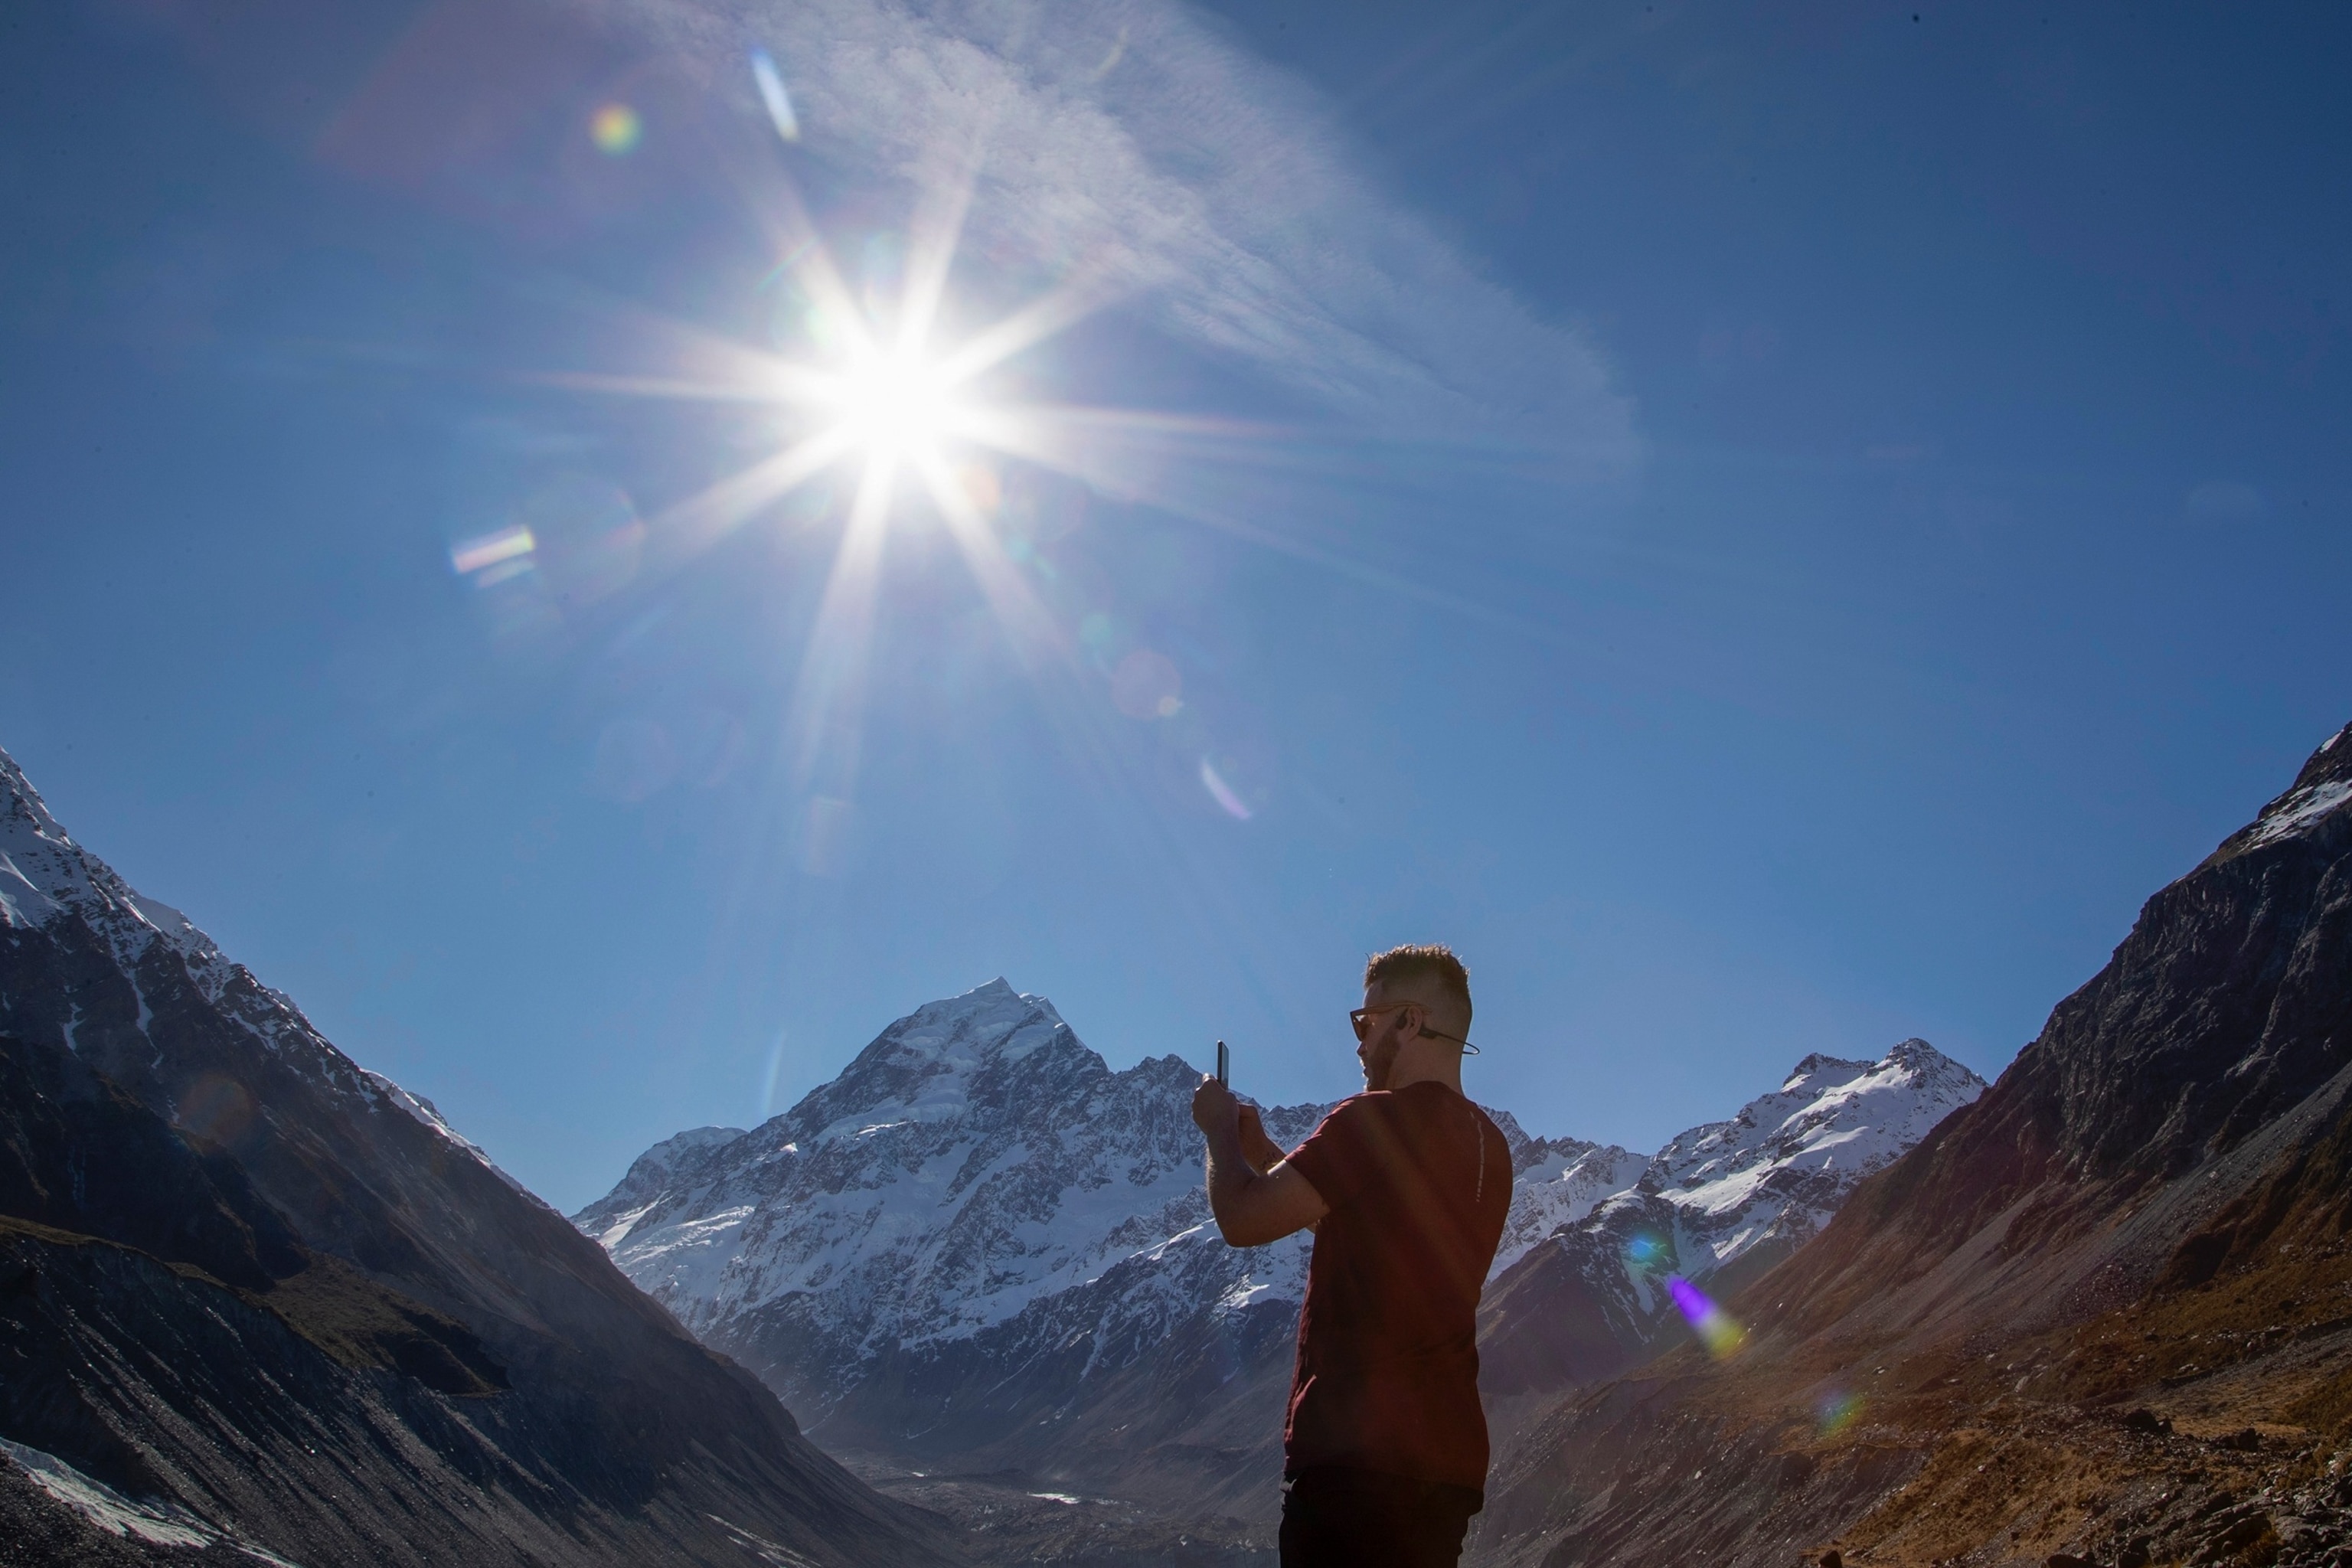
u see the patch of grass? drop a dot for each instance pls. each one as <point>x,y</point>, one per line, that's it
<point>364,1324</point>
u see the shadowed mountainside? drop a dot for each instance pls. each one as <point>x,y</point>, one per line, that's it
<point>2104,1312</point>
<point>269,1298</point>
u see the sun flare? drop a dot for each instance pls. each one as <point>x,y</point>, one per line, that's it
<point>898,406</point>
<point>883,383</point>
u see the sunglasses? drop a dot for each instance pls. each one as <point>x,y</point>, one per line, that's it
<point>1362,1018</point>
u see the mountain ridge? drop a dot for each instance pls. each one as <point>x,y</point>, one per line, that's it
<point>2097,1315</point>
<point>312,1318</point>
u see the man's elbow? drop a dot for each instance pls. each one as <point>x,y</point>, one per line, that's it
<point>1238,1233</point>
<point>1263,1208</point>
<point>1246,1226</point>
<point>1233,1222</point>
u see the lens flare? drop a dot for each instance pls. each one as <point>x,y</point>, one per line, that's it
<point>779,103</point>
<point>510,548</point>
<point>1837,1411</point>
<point>616,130</point>
<point>216,1108</point>
<point>1222,792</point>
<point>1645,1251</point>
<point>1146,685</point>
<point>1716,1329</point>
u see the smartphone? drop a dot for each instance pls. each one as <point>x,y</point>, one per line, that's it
<point>1224,1065</point>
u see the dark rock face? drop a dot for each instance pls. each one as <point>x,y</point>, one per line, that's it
<point>2228,1006</point>
<point>78,1154</point>
<point>1543,1327</point>
<point>2152,1197</point>
<point>241,1278</point>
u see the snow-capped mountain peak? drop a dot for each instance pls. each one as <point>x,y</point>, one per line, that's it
<point>1749,1190</point>
<point>1829,1115</point>
<point>978,1190</point>
<point>974,1159</point>
<point>47,882</point>
<point>1719,1205</point>
<point>45,874</point>
<point>925,1067</point>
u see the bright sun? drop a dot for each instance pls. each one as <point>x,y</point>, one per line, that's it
<point>896,406</point>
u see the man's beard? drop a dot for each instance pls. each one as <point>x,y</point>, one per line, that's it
<point>1378,1065</point>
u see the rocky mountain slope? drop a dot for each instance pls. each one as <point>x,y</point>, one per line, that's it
<point>2102,1315</point>
<point>979,1248</point>
<point>256,1300</point>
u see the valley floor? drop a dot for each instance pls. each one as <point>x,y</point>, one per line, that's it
<point>1006,1519</point>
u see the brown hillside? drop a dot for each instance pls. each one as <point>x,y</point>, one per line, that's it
<point>2100,1314</point>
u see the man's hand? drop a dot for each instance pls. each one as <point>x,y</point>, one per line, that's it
<point>1251,1209</point>
<point>1214,1108</point>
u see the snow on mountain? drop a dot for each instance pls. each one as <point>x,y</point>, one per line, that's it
<point>974,1160</point>
<point>978,1177</point>
<point>1778,1169</point>
<point>1556,1182</point>
<point>1718,1205</point>
<point>2299,810</point>
<point>278,1292</point>
<point>45,876</point>
<point>45,879</point>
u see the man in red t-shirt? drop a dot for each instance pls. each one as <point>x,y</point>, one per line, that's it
<point>1406,1184</point>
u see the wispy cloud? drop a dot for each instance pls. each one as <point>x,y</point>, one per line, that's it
<point>1136,145</point>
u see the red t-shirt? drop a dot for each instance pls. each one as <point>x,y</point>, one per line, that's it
<point>1418,1181</point>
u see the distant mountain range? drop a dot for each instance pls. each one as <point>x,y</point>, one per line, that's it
<point>981,1248</point>
<point>258,1302</point>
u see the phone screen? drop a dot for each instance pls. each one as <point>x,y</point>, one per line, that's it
<point>1224,1065</point>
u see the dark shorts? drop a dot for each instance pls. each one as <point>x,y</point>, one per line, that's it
<point>1361,1519</point>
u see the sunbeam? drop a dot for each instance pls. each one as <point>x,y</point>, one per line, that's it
<point>827,711</point>
<point>884,376</point>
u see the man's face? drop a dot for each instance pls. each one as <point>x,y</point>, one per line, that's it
<point>1384,1034</point>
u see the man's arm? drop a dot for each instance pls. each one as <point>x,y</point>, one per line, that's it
<point>1253,1207</point>
<point>1262,1152</point>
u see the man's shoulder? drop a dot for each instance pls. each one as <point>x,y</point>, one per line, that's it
<point>1364,1106</point>
<point>1345,1111</point>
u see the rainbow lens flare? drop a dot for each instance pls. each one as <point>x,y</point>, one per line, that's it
<point>779,103</point>
<point>1222,792</point>
<point>494,557</point>
<point>1717,1329</point>
<point>1837,1411</point>
<point>616,130</point>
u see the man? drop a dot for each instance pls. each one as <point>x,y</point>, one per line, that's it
<point>1407,1184</point>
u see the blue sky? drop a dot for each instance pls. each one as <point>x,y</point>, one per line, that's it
<point>1770,529</point>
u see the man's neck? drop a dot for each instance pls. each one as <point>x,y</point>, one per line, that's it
<point>1445,1070</point>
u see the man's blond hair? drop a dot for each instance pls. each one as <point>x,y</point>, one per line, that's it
<point>1432,964</point>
